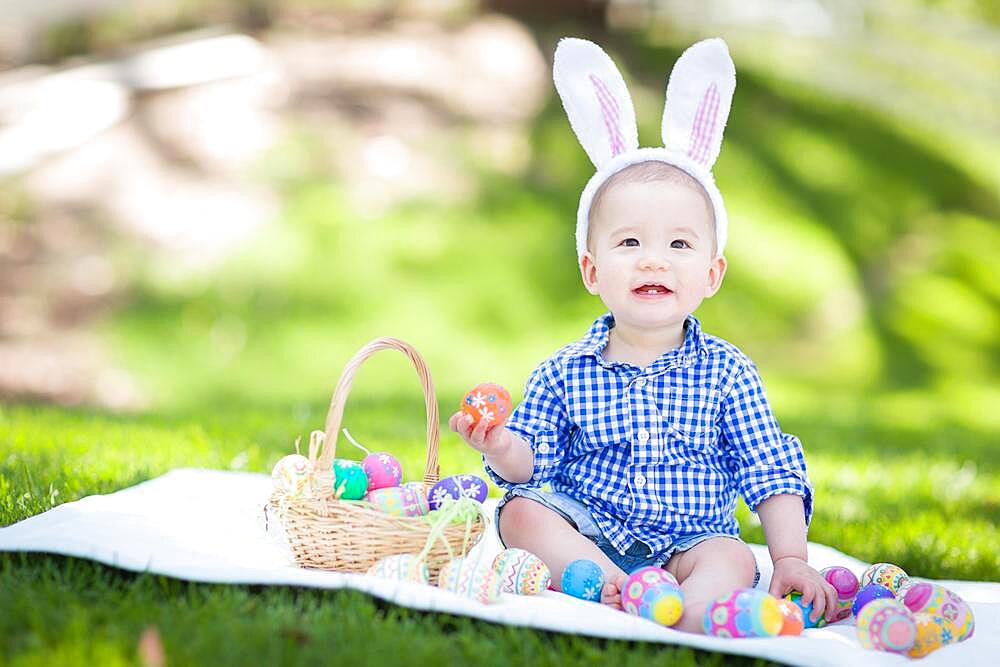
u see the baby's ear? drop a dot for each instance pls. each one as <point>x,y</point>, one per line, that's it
<point>596,100</point>
<point>588,271</point>
<point>716,272</point>
<point>699,93</point>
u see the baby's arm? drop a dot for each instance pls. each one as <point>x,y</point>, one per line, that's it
<point>507,453</point>
<point>783,518</point>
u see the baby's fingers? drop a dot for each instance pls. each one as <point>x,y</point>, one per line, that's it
<point>478,435</point>
<point>818,601</point>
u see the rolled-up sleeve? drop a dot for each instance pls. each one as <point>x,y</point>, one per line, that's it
<point>542,421</point>
<point>766,461</point>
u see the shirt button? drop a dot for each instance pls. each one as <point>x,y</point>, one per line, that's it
<point>643,436</point>
<point>543,448</point>
<point>640,383</point>
<point>640,481</point>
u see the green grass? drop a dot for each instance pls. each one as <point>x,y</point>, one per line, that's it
<point>936,518</point>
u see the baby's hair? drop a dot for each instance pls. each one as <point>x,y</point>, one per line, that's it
<point>650,171</point>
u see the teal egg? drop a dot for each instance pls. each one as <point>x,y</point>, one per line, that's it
<point>349,480</point>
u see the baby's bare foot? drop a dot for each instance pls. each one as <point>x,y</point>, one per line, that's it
<point>611,594</point>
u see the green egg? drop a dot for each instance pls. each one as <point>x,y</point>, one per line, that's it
<point>349,480</point>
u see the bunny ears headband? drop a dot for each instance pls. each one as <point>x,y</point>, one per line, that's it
<point>600,111</point>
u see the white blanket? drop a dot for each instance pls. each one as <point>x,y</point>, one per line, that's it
<point>207,525</point>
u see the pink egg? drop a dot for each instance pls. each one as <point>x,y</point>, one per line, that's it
<point>383,470</point>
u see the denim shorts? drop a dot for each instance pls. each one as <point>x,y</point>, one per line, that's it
<point>579,516</point>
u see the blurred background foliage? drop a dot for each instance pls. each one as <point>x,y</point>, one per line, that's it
<point>859,168</point>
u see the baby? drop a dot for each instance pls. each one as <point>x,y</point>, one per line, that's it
<point>647,429</point>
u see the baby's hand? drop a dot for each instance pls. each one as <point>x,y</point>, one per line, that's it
<point>794,574</point>
<point>490,440</point>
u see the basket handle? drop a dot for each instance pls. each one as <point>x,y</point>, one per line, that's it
<point>336,412</point>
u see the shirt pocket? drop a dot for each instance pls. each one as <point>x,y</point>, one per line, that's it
<point>691,424</point>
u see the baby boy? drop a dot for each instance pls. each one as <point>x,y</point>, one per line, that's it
<point>646,430</point>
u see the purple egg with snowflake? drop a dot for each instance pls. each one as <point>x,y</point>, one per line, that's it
<point>868,594</point>
<point>383,470</point>
<point>455,487</point>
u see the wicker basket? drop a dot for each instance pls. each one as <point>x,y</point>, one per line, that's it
<point>349,536</point>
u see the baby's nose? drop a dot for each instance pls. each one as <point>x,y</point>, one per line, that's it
<point>654,261</point>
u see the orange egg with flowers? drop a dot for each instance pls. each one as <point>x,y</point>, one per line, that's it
<point>487,402</point>
<point>792,619</point>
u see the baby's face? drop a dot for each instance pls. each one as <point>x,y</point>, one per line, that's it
<point>651,254</point>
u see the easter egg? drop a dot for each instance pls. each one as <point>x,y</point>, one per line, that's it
<point>401,567</point>
<point>407,500</point>
<point>867,594</point>
<point>472,578</point>
<point>349,480</point>
<point>792,620</point>
<point>292,475</point>
<point>382,470</point>
<point>936,600</point>
<point>521,572</point>
<point>796,598</point>
<point>652,593</point>
<point>746,612</point>
<point>886,625</point>
<point>933,632</point>
<point>583,579</point>
<point>455,487</point>
<point>889,575</point>
<point>487,402</point>
<point>846,585</point>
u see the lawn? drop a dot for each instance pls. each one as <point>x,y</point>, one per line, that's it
<point>862,280</point>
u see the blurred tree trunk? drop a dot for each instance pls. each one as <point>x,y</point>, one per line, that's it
<point>590,12</point>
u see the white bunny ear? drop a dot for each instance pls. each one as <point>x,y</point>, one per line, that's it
<point>595,98</point>
<point>699,93</point>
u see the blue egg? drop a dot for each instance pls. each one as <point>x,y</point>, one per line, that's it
<point>583,579</point>
<point>869,593</point>
<point>807,610</point>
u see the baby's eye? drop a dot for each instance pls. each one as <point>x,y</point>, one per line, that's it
<point>631,242</point>
<point>679,243</point>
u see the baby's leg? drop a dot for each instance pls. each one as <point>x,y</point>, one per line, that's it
<point>534,527</point>
<point>707,571</point>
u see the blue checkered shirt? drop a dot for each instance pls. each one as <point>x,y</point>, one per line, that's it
<point>661,451</point>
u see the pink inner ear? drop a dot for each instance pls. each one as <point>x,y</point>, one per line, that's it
<point>611,113</point>
<point>703,129</point>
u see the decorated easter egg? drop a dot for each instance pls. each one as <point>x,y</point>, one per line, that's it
<point>583,579</point>
<point>401,567</point>
<point>889,575</point>
<point>472,578</point>
<point>653,594</point>
<point>792,621</point>
<point>796,598</point>
<point>746,612</point>
<point>292,475</point>
<point>349,480</point>
<point>933,632</point>
<point>867,594</point>
<point>457,486</point>
<point>521,572</point>
<point>936,600</point>
<point>846,585</point>
<point>382,470</point>
<point>487,402</point>
<point>886,625</point>
<point>407,500</point>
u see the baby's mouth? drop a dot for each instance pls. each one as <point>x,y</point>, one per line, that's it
<point>651,289</point>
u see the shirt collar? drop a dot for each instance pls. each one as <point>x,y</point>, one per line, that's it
<point>683,356</point>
